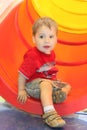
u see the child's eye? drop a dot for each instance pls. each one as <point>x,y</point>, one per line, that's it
<point>41,36</point>
<point>51,36</point>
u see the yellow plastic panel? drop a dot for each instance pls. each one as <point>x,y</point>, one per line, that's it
<point>71,15</point>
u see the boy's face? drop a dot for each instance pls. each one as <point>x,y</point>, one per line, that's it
<point>45,39</point>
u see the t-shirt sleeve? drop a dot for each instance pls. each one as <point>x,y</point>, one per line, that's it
<point>29,65</point>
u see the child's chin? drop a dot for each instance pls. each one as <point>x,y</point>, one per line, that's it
<point>48,52</point>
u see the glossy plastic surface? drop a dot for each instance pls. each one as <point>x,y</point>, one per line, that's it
<point>16,38</point>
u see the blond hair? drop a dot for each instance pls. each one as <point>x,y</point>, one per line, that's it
<point>49,22</point>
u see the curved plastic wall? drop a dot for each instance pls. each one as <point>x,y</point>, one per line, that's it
<point>71,51</point>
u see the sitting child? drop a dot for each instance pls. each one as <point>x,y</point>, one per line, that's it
<point>38,73</point>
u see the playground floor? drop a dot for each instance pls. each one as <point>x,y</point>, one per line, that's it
<point>13,119</point>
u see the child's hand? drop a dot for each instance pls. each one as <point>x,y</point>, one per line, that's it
<point>22,96</point>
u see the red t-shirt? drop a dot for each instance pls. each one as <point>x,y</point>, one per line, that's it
<point>34,60</point>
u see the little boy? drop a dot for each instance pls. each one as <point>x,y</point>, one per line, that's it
<point>38,73</point>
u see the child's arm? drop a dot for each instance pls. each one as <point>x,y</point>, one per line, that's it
<point>22,94</point>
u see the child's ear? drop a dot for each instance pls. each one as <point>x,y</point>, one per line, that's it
<point>33,39</point>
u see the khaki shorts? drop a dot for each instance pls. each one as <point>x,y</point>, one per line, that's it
<point>33,87</point>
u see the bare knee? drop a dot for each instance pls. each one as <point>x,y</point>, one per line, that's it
<point>45,85</point>
<point>67,89</point>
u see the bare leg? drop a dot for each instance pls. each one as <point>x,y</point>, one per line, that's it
<point>51,118</point>
<point>46,93</point>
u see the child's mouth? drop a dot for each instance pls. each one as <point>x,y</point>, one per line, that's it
<point>46,47</point>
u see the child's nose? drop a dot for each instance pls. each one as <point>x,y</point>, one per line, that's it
<point>47,40</point>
